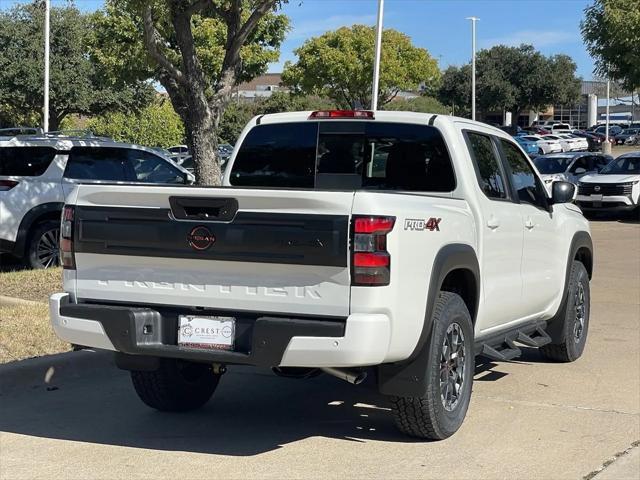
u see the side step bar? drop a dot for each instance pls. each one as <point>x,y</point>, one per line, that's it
<point>503,347</point>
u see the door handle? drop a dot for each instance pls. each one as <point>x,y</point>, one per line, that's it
<point>529,224</point>
<point>493,223</point>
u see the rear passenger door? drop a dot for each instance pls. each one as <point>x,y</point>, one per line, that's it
<point>501,235</point>
<point>541,264</point>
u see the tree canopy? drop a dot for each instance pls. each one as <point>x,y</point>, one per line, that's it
<point>521,78</point>
<point>455,90</point>
<point>611,31</point>
<point>339,65</point>
<point>77,83</point>
<point>198,50</point>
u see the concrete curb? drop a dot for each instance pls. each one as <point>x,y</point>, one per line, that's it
<point>48,370</point>
<point>4,300</point>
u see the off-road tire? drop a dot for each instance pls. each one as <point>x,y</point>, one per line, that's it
<point>426,416</point>
<point>31,258</point>
<point>568,347</point>
<point>176,386</point>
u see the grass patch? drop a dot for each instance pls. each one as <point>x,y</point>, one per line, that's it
<point>25,332</point>
<point>34,285</point>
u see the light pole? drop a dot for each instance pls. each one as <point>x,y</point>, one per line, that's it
<point>606,148</point>
<point>473,66</point>
<point>376,62</point>
<point>45,110</point>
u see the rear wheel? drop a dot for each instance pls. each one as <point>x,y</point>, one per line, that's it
<point>440,412</point>
<point>574,319</point>
<point>176,386</point>
<point>43,245</point>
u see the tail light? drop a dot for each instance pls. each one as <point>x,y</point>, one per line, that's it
<point>370,262</point>
<point>67,255</point>
<point>7,185</point>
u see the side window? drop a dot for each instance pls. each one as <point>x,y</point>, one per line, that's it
<point>150,168</point>
<point>278,155</point>
<point>600,162</point>
<point>406,157</point>
<point>523,178</point>
<point>98,163</point>
<point>487,165</point>
<point>583,163</point>
<point>25,161</point>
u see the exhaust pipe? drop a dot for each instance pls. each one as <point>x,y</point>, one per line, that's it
<point>356,378</point>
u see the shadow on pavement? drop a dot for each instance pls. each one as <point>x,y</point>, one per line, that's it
<point>252,412</point>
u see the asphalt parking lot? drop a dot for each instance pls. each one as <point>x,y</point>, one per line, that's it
<point>528,419</point>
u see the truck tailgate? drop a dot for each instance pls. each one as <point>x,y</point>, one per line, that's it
<point>224,248</point>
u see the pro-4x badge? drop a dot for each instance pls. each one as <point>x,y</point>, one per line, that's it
<point>420,224</point>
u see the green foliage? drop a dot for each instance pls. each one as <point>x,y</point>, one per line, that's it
<point>120,48</point>
<point>339,65</point>
<point>237,115</point>
<point>77,84</point>
<point>611,31</point>
<point>157,125</point>
<point>455,90</point>
<point>418,104</point>
<point>521,78</point>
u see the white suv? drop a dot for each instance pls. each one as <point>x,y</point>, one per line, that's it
<point>37,171</point>
<point>615,189</point>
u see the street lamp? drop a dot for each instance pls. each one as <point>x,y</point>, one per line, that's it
<point>606,149</point>
<point>473,66</point>
<point>45,110</point>
<point>376,63</point>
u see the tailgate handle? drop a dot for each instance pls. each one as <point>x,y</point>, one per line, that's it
<point>204,209</point>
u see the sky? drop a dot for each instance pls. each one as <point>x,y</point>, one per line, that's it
<point>551,26</point>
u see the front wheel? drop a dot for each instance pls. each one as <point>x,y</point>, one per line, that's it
<point>573,320</point>
<point>176,386</point>
<point>449,370</point>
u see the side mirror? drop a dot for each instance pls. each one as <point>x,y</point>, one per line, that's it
<point>562,192</point>
<point>580,171</point>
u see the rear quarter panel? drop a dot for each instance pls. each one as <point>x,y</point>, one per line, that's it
<point>412,256</point>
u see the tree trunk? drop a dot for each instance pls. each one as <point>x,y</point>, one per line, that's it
<point>203,143</point>
<point>54,121</point>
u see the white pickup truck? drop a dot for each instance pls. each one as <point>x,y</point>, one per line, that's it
<point>395,244</point>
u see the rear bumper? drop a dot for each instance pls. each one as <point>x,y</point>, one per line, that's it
<point>261,340</point>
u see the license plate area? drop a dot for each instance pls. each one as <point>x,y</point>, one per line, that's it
<point>596,197</point>
<point>206,332</point>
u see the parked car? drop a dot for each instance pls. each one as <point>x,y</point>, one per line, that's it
<point>569,167</point>
<point>312,258</point>
<point>529,146</point>
<point>615,188</point>
<point>544,145</point>
<point>576,144</point>
<point>621,137</point>
<point>594,142</point>
<point>565,144</point>
<point>38,171</point>
<point>613,130</point>
<point>633,140</point>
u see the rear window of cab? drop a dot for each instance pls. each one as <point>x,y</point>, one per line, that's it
<point>344,155</point>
